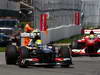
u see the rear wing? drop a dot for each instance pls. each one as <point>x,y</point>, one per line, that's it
<point>96,31</point>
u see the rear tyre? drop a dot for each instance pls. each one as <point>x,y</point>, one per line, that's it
<point>24,53</point>
<point>64,52</point>
<point>91,51</point>
<point>74,44</point>
<point>11,54</point>
<point>78,45</point>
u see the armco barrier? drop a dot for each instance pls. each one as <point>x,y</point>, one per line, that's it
<point>61,32</point>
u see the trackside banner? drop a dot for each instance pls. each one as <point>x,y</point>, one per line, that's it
<point>43,22</point>
<point>96,31</point>
<point>77,18</point>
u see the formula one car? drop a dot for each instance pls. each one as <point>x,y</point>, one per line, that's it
<point>88,45</point>
<point>38,54</point>
<point>4,40</point>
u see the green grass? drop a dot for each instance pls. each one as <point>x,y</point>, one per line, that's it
<point>69,40</point>
<point>2,49</point>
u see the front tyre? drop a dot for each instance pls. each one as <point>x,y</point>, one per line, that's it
<point>11,54</point>
<point>64,52</point>
<point>24,53</point>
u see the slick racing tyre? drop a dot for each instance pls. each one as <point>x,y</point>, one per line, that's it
<point>74,44</point>
<point>77,45</point>
<point>24,53</point>
<point>91,51</point>
<point>11,54</point>
<point>64,52</point>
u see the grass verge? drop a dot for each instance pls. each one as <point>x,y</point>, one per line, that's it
<point>70,40</point>
<point>2,49</point>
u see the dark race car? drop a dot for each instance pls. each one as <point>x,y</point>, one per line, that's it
<point>38,54</point>
<point>88,45</point>
<point>4,40</point>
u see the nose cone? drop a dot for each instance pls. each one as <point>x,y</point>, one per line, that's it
<point>90,42</point>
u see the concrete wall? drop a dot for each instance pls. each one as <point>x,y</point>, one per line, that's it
<point>13,5</point>
<point>5,4</point>
<point>61,32</point>
<point>61,12</point>
<point>57,4</point>
<point>91,12</point>
<point>61,18</point>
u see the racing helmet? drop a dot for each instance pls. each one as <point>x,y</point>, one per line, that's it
<point>92,36</point>
<point>38,43</point>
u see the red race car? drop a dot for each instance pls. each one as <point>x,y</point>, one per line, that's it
<point>88,45</point>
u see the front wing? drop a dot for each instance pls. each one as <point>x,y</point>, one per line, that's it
<point>57,61</point>
<point>82,52</point>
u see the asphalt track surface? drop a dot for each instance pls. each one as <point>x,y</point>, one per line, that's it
<point>81,66</point>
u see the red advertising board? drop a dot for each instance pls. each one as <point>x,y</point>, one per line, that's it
<point>43,22</point>
<point>77,18</point>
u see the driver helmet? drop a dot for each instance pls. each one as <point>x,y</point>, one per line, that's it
<point>92,36</point>
<point>38,43</point>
